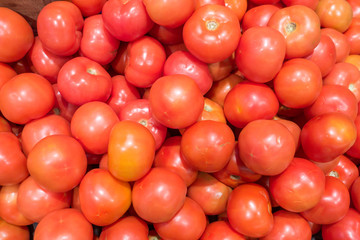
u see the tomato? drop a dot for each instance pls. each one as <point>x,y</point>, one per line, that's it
<point>131,150</point>
<point>16,36</point>
<point>347,228</point>
<point>249,101</point>
<point>354,193</point>
<point>145,61</point>
<point>170,157</point>
<point>89,8</point>
<point>354,59</point>
<point>8,206</point>
<point>333,205</point>
<point>4,125</point>
<point>200,3</point>
<point>309,3</point>
<point>258,16</point>
<point>82,80</point>
<point>182,62</point>
<point>256,47</point>
<point>159,11</point>
<point>118,64</point>
<point>346,171</point>
<point>59,26</point>
<point>6,73</point>
<point>212,33</point>
<point>12,160</point>
<point>212,111</point>
<point>126,20</point>
<point>336,14</point>
<point>326,167</point>
<point>342,44</point>
<point>176,101</point>
<point>301,28</point>
<point>103,198</point>
<point>292,127</point>
<point>177,228</point>
<point>354,151</point>
<point>34,202</point>
<point>62,107</point>
<point>222,69</point>
<point>355,7</point>
<point>25,97</point>
<point>328,136</point>
<point>249,210</point>
<point>221,230</point>
<point>239,7</point>
<point>38,129</point>
<point>159,195</point>
<point>165,35</point>
<point>9,231</point>
<point>64,223</point>
<point>129,227</point>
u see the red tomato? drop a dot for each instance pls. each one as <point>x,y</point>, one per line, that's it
<point>170,157</point>
<point>212,33</point>
<point>59,26</point>
<point>82,80</point>
<point>13,168</point>
<point>353,36</point>
<point>118,64</point>
<point>355,5</point>
<point>249,210</point>
<point>62,107</point>
<point>182,62</point>
<point>169,13</point>
<point>89,7</point>
<point>9,231</point>
<point>144,61</point>
<point>6,73</point>
<point>342,44</point>
<point>222,69</point>
<point>35,202</point>
<point>261,2</point>
<point>57,163</point>
<point>200,3</point>
<point>97,43</point>
<point>298,84</point>
<point>129,227</point>
<point>309,3</point>
<point>221,230</point>
<point>4,125</point>
<point>239,7</point>
<point>345,170</point>
<point>288,225</point>
<point>354,193</point>
<point>354,151</point>
<point>159,195</point>
<point>301,28</point>
<point>294,129</point>
<point>258,16</point>
<point>178,227</point>
<point>25,97</point>
<point>103,198</point>
<point>266,147</point>
<point>256,47</point>
<point>249,101</point>
<point>176,101</point>
<point>38,129</point>
<point>16,36</point>
<point>299,187</point>
<point>126,20</point>
<point>326,167</point>
<point>165,35</point>
<point>8,206</point>
<point>347,228</point>
<point>333,205</point>
<point>131,150</point>
<point>64,223</point>
<point>212,111</point>
<point>328,136</point>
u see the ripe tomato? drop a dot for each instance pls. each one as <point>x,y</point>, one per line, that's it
<point>59,26</point>
<point>300,26</point>
<point>345,170</point>
<point>239,7</point>
<point>103,198</point>
<point>212,33</point>
<point>292,127</point>
<point>165,35</point>
<point>159,195</point>
<point>342,44</point>
<point>354,151</point>
<point>354,193</point>
<point>355,7</point>
<point>6,73</point>
<point>16,36</point>
<point>177,228</point>
<point>64,223</point>
<point>131,150</point>
<point>249,210</point>
<point>62,107</point>
<point>89,7</point>
<point>309,3</point>
<point>9,231</point>
<point>221,230</point>
<point>258,16</point>
<point>25,97</point>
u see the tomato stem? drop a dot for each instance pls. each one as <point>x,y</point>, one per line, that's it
<point>212,25</point>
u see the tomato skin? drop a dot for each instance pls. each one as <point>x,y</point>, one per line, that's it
<point>258,16</point>
<point>131,150</point>
<point>145,61</point>
<point>159,195</point>
<point>126,20</point>
<point>165,35</point>
<point>345,170</point>
<point>82,80</point>
<point>355,7</point>
<point>103,198</point>
<point>209,27</point>
<point>176,101</point>
<point>327,136</point>
<point>249,101</point>
<point>221,230</point>
<point>6,73</point>
<point>354,193</point>
<point>16,37</point>
<point>9,231</point>
<point>25,97</point>
<point>334,203</point>
<point>342,44</point>
<point>62,107</point>
<point>89,7</point>
<point>301,28</point>
<point>64,223</point>
<point>182,62</point>
<point>177,228</point>
<point>59,26</point>
<point>309,3</point>
<point>12,160</point>
<point>354,150</point>
<point>249,210</point>
<point>130,227</point>
<point>299,187</point>
<point>239,7</point>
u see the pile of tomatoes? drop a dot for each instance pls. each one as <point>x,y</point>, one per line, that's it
<point>181,120</point>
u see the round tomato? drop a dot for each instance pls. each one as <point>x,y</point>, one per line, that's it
<point>89,7</point>
<point>309,3</point>
<point>258,16</point>
<point>167,36</point>
<point>221,230</point>
<point>345,170</point>
<point>342,44</point>
<point>355,193</point>
<point>9,231</point>
<point>6,73</point>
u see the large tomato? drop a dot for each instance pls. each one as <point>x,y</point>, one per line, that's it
<point>258,16</point>
<point>346,171</point>
<point>342,44</point>
<point>221,230</point>
<point>6,73</point>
